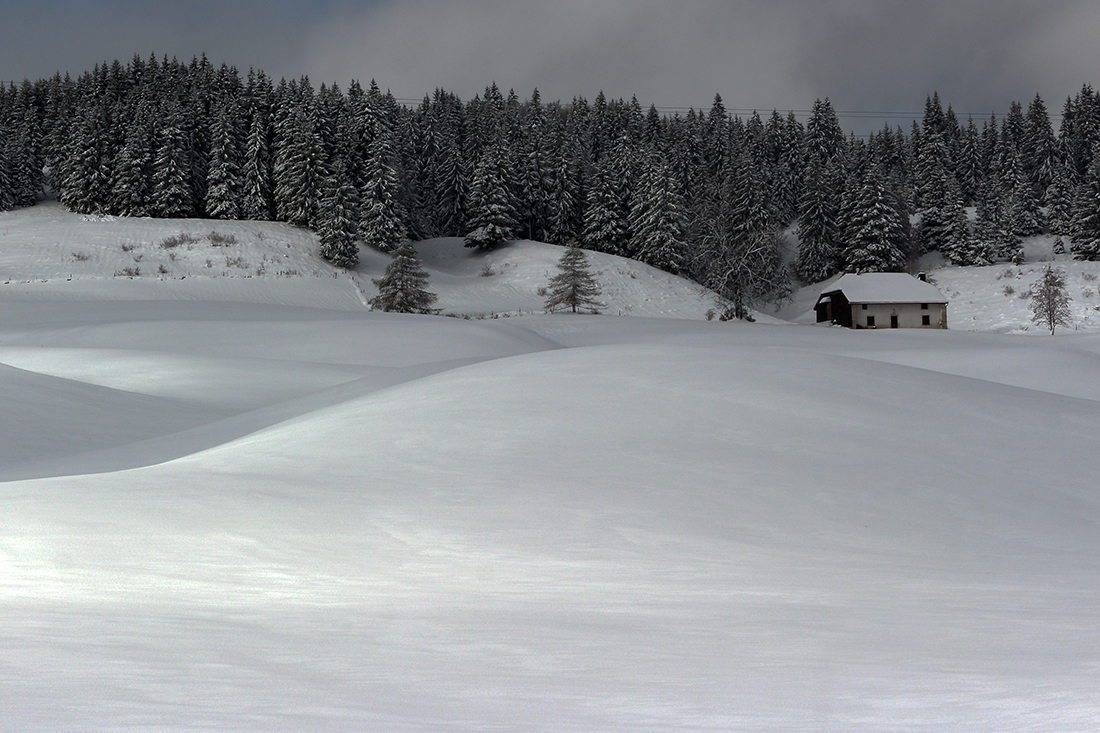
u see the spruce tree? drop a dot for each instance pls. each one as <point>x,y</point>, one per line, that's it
<point>817,225</point>
<point>223,187</point>
<point>492,216</point>
<point>403,287</point>
<point>1086,214</point>
<point>336,226</point>
<point>171,192</point>
<point>382,218</point>
<point>605,227</point>
<point>657,220</point>
<point>574,286</point>
<point>876,236</point>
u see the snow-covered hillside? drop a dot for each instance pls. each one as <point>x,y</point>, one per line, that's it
<point>248,503</point>
<point>50,252</point>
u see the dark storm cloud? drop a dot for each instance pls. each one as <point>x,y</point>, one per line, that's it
<point>979,55</point>
<point>865,55</point>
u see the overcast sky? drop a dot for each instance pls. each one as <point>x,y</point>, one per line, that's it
<point>873,55</point>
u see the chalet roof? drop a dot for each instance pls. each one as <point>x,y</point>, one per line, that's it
<point>885,287</point>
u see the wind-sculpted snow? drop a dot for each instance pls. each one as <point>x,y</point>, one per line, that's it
<point>672,526</point>
<point>233,506</point>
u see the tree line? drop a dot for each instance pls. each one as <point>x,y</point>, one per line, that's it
<point>704,194</point>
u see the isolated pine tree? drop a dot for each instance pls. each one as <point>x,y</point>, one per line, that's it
<point>1049,300</point>
<point>403,287</point>
<point>574,286</point>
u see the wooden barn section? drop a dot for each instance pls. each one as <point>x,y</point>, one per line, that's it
<point>882,300</point>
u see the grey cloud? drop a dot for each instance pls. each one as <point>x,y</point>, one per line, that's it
<point>763,54</point>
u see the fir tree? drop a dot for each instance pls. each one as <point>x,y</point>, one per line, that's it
<point>336,226</point>
<point>403,287</point>
<point>171,192</point>
<point>381,223</point>
<point>817,226</point>
<point>492,207</point>
<point>574,286</point>
<point>876,240</point>
<point>657,220</point>
<point>131,193</point>
<point>605,228</point>
<point>256,185</point>
<point>223,189</point>
<point>1086,214</point>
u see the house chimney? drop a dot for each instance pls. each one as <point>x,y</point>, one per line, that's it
<point>922,276</point>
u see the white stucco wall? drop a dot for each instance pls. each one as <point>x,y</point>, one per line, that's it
<point>909,314</point>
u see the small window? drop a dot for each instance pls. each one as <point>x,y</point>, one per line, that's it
<point>864,306</point>
<point>926,320</point>
<point>924,306</point>
<point>870,321</point>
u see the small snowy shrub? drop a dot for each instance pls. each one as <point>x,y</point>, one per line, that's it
<point>177,240</point>
<point>710,314</point>
<point>218,239</point>
<point>1089,277</point>
<point>237,262</point>
<point>487,271</point>
<point>128,272</point>
<point>81,256</point>
<point>162,269</point>
<point>1009,290</point>
<point>128,246</point>
<point>1087,292</point>
<point>542,291</point>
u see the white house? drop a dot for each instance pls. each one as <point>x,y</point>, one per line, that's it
<point>882,300</point>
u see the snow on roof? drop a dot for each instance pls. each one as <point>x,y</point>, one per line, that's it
<point>885,287</point>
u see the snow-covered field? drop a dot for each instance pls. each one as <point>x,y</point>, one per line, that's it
<point>240,501</point>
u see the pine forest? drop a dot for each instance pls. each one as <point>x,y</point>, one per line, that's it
<point>704,194</point>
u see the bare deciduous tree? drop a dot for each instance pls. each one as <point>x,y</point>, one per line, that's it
<point>1049,301</point>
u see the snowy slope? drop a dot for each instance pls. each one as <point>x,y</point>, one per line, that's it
<point>247,503</point>
<point>47,252</point>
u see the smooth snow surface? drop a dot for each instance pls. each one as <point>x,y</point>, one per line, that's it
<point>250,504</point>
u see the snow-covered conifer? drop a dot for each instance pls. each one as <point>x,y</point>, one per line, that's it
<point>381,216</point>
<point>1086,214</point>
<point>336,221</point>
<point>876,235</point>
<point>492,216</point>
<point>171,192</point>
<point>817,225</point>
<point>657,220</point>
<point>574,286</point>
<point>403,287</point>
